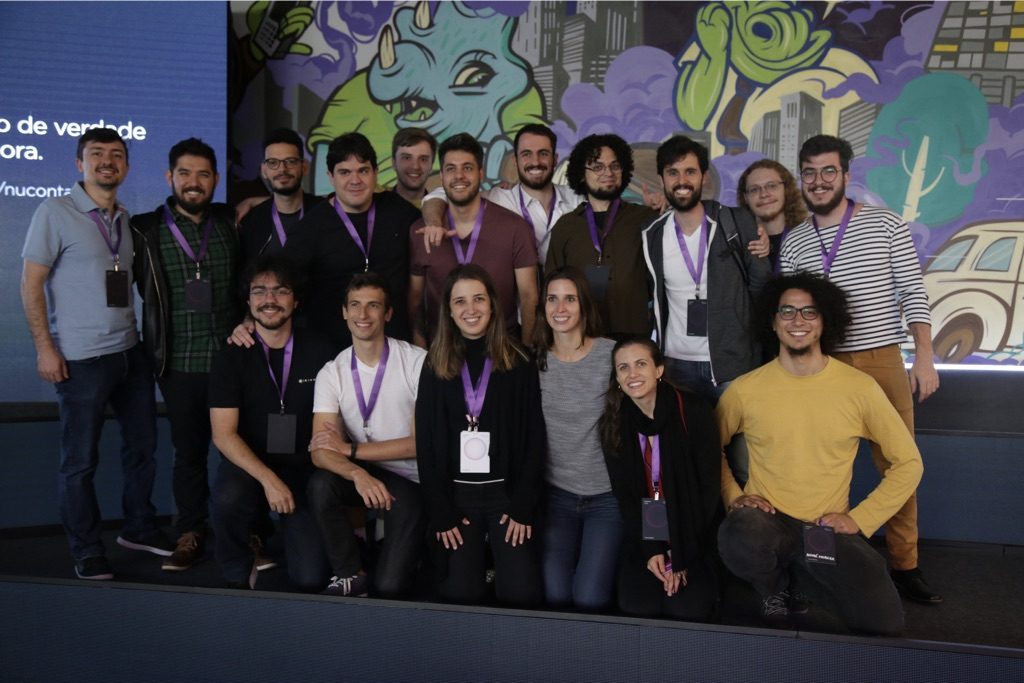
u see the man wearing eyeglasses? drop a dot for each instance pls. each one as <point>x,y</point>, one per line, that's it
<point>794,511</point>
<point>601,236</point>
<point>265,227</point>
<point>868,252</point>
<point>260,403</point>
<point>770,192</point>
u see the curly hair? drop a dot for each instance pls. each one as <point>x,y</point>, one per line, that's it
<point>793,202</point>
<point>588,150</point>
<point>830,301</point>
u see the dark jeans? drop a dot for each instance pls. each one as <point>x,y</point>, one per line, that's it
<point>404,526</point>
<point>581,537</point>
<point>642,594</point>
<point>517,579</point>
<point>187,410</point>
<point>125,381</point>
<point>239,500</point>
<point>761,548</point>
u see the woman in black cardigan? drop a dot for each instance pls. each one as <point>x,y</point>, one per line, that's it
<point>664,460</point>
<point>480,447</point>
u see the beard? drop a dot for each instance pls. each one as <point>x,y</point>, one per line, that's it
<point>604,195</point>
<point>464,202</point>
<point>274,324</point>
<point>195,208</point>
<point>540,184</point>
<point>293,186</point>
<point>683,206</point>
<point>839,195</point>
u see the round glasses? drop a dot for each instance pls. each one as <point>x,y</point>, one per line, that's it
<point>827,174</point>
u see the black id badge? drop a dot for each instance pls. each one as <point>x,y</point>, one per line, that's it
<point>697,318</point>
<point>597,278</point>
<point>820,544</point>
<point>654,516</point>
<point>281,433</point>
<point>198,296</point>
<point>118,286</point>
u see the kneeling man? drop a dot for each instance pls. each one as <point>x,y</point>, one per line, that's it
<point>803,415</point>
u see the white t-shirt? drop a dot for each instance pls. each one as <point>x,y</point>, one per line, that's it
<point>392,417</point>
<point>680,288</point>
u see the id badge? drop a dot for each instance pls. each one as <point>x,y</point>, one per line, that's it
<point>118,287</point>
<point>597,278</point>
<point>697,318</point>
<point>281,433</point>
<point>820,544</point>
<point>654,517</point>
<point>474,453</point>
<point>198,296</point>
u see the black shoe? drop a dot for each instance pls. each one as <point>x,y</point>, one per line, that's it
<point>911,585</point>
<point>151,542</point>
<point>94,569</point>
<point>798,603</point>
<point>354,586</point>
<point>775,610</point>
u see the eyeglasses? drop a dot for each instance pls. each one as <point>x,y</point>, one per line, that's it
<point>262,292</point>
<point>598,168</point>
<point>289,163</point>
<point>828,174</point>
<point>755,190</point>
<point>789,312</point>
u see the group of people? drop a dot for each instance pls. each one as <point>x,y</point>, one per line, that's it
<point>556,430</point>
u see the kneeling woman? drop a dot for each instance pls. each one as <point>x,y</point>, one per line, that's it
<point>480,446</point>
<point>664,460</point>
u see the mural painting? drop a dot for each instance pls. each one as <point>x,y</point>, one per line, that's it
<point>929,95</point>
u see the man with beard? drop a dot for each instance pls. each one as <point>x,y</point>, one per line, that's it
<point>768,190</point>
<point>265,227</point>
<point>76,291</point>
<point>703,279</point>
<point>185,267</point>
<point>804,415</point>
<point>412,156</point>
<point>601,236</point>
<point>869,253</point>
<point>260,402</point>
<point>486,234</point>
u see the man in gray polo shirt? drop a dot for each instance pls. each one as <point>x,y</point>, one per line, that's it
<point>76,291</point>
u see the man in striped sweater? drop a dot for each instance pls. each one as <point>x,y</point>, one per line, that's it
<point>868,252</point>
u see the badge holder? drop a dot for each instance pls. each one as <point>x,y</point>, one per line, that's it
<point>474,450</point>
<point>820,544</point>
<point>118,288</point>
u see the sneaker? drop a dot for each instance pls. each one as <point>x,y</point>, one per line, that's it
<point>186,553</point>
<point>94,569</point>
<point>798,603</point>
<point>775,609</point>
<point>151,542</point>
<point>259,554</point>
<point>350,586</point>
<point>911,585</point>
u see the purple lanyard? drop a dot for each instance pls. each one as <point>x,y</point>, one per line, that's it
<point>592,224</point>
<point>366,407</point>
<point>370,219</point>
<point>695,273</point>
<point>827,257</point>
<point>526,213</point>
<point>655,461</point>
<point>115,246</point>
<point>276,215</point>
<point>286,366</point>
<point>466,257</point>
<point>474,395</point>
<point>183,243</point>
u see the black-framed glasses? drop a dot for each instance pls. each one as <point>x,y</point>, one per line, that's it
<point>263,292</point>
<point>597,168</point>
<point>789,312</point>
<point>289,163</point>
<point>827,174</point>
<point>755,190</point>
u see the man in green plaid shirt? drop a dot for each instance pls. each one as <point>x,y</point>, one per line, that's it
<point>185,267</point>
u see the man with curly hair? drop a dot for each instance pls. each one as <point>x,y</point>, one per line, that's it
<point>770,192</point>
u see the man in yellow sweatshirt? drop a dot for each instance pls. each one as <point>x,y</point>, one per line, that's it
<point>803,415</point>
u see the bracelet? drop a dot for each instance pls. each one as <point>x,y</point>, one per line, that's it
<point>355,445</point>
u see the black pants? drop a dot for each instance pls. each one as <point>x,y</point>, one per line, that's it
<point>760,548</point>
<point>641,594</point>
<point>185,398</point>
<point>517,571</point>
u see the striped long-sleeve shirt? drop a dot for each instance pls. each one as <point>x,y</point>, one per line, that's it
<point>876,266</point>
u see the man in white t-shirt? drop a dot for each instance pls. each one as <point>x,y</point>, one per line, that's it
<point>364,447</point>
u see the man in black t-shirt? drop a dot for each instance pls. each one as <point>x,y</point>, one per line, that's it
<point>261,404</point>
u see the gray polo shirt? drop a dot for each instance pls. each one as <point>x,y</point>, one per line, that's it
<point>63,237</point>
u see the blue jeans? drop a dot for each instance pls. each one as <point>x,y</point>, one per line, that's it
<point>125,381</point>
<point>581,537</point>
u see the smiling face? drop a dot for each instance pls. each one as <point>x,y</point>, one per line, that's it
<point>192,181</point>
<point>562,306</point>
<point>471,308</point>
<point>354,181</point>
<point>103,165</point>
<point>412,166</point>
<point>366,311</point>
<point>535,161</point>
<point>461,177</point>
<point>286,179</point>
<point>606,181</point>
<point>797,337</point>
<point>823,196</point>
<point>766,193</point>
<point>637,373</point>
<point>271,304</point>
<point>683,182</point>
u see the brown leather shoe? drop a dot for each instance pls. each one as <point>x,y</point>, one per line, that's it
<point>187,552</point>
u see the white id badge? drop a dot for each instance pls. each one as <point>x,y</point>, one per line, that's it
<point>474,454</point>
